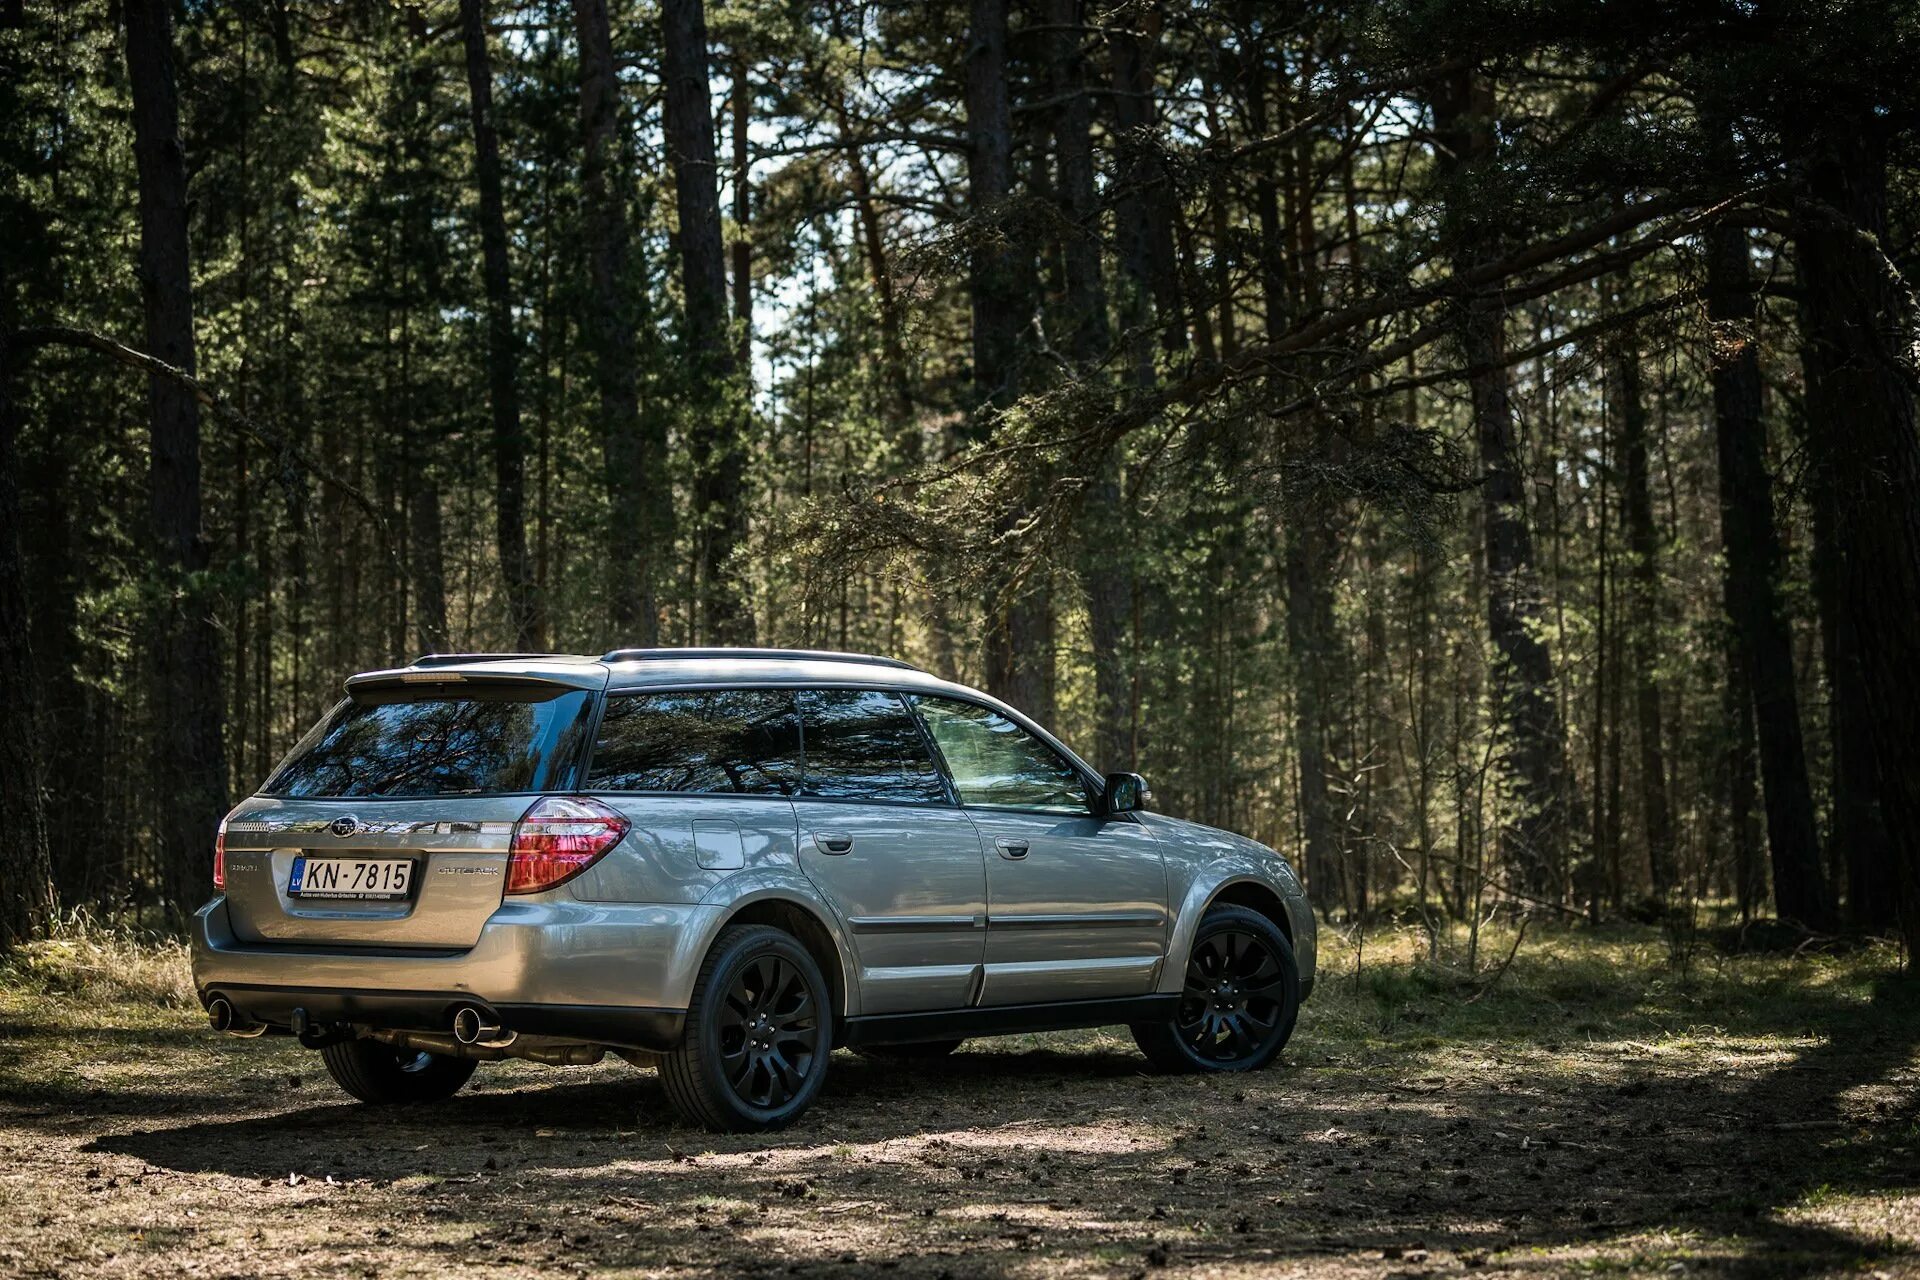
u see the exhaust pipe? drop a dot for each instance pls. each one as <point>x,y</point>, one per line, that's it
<point>223,1017</point>
<point>472,1027</point>
<point>553,1055</point>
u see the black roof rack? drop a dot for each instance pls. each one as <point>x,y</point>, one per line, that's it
<point>457,659</point>
<point>808,655</point>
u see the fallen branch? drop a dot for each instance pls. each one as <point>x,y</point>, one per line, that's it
<point>1518,937</point>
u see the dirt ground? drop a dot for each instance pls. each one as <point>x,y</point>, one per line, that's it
<point>1596,1110</point>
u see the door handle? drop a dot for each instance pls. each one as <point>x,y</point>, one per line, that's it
<point>833,842</point>
<point>1011,847</point>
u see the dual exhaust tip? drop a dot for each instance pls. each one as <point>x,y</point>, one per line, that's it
<point>471,1026</point>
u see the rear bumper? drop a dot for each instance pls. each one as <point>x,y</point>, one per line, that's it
<point>618,974</point>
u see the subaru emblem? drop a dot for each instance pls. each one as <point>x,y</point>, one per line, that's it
<point>344,826</point>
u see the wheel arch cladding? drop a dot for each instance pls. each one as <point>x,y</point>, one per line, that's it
<point>1256,897</point>
<point>812,932</point>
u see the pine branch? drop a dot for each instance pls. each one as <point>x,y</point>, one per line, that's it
<point>289,454</point>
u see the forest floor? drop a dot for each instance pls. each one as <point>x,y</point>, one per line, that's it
<point>1598,1109</point>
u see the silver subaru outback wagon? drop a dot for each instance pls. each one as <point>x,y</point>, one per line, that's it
<point>725,863</point>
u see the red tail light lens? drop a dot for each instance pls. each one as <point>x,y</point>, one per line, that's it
<point>557,839</point>
<point>220,857</point>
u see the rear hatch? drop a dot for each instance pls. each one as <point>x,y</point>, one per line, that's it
<point>389,824</point>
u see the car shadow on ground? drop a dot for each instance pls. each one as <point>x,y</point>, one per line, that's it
<point>1337,1159</point>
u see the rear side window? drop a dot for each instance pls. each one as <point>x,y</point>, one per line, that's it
<point>738,741</point>
<point>429,744</point>
<point>862,744</point>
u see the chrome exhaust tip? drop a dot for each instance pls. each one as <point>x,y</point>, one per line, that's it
<point>473,1027</point>
<point>223,1017</point>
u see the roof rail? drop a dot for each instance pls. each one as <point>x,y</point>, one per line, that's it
<point>456,659</point>
<point>809,655</point>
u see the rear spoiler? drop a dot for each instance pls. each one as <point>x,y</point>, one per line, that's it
<point>492,676</point>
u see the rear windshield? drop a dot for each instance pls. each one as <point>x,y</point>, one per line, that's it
<point>430,744</point>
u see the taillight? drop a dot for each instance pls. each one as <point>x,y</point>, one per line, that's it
<point>220,856</point>
<point>557,839</point>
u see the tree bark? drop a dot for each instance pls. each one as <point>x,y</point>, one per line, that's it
<point>426,559</point>
<point>1143,193</point>
<point>993,279</point>
<point>525,615</point>
<point>1311,544</point>
<point>633,443</point>
<point>1533,827</point>
<point>189,759</point>
<point>1018,641</point>
<point>1105,562</point>
<point>1752,557</point>
<point>26,866</point>
<point>1859,330</point>
<point>714,435</point>
<point>1643,610</point>
<point>1859,826</point>
<point>742,217</point>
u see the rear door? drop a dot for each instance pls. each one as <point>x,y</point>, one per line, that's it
<point>1076,904</point>
<point>880,836</point>
<point>389,825</point>
<point>704,776</point>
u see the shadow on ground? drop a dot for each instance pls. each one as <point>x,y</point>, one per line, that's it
<point>1010,1161</point>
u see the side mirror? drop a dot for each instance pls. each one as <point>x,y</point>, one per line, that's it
<point>1125,792</point>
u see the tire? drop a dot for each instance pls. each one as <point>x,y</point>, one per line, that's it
<point>385,1076</point>
<point>759,1033</point>
<point>917,1051</point>
<point>1240,1003</point>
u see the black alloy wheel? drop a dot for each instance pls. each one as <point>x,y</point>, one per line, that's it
<point>758,1036</point>
<point>1241,998</point>
<point>769,1032</point>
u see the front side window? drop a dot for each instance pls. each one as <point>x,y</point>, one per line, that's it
<point>862,744</point>
<point>728,741</point>
<point>430,744</point>
<point>998,765</point>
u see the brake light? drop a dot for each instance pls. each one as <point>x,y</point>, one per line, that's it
<point>220,856</point>
<point>557,839</point>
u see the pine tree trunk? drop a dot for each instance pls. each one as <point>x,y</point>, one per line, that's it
<point>1309,555</point>
<point>1752,555</point>
<point>1143,193</point>
<point>1643,613</point>
<point>189,758</point>
<point>633,443</point>
<point>1533,830</point>
<point>525,617</point>
<point>426,560</point>
<point>26,867</point>
<point>1018,643</point>
<point>1105,560</point>
<point>714,435</point>
<point>742,217</point>
<point>1863,444</point>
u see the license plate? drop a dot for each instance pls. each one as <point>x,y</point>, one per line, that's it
<point>358,878</point>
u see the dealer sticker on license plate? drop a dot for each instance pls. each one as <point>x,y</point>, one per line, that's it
<point>360,878</point>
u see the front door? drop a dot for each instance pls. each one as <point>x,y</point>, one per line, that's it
<point>881,838</point>
<point>1076,903</point>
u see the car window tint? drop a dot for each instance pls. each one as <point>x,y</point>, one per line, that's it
<point>997,764</point>
<point>738,741</point>
<point>862,744</point>
<point>423,745</point>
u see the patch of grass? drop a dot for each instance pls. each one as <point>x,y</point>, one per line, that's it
<point>89,961</point>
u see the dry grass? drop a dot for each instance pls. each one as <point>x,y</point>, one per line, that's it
<point>1599,1108</point>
